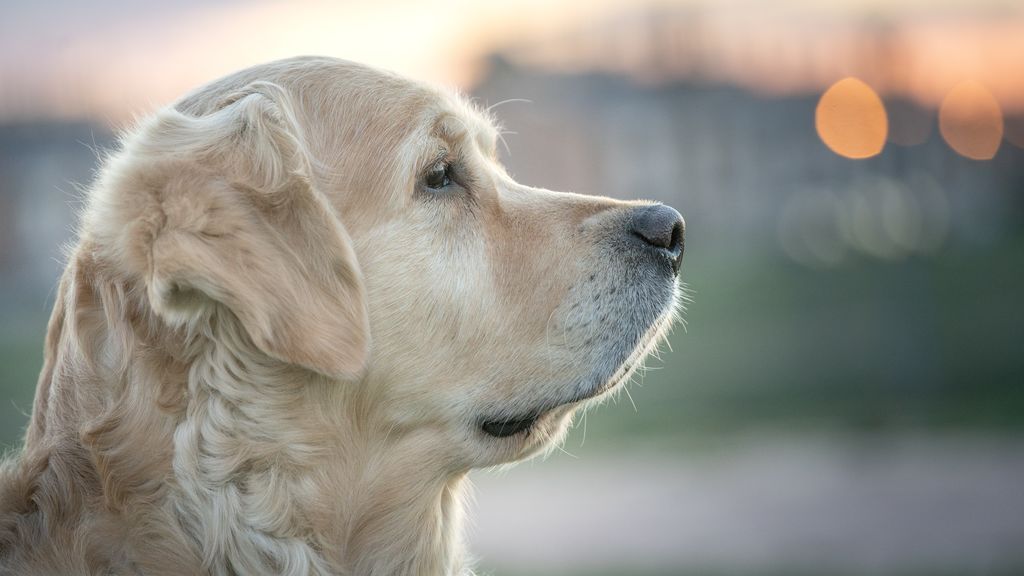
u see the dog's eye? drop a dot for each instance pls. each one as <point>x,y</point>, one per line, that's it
<point>439,176</point>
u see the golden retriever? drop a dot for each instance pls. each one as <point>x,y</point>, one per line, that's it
<point>304,302</point>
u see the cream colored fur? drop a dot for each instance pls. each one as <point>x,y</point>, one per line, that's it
<point>272,348</point>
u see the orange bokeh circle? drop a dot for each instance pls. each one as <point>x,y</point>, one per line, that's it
<point>971,121</point>
<point>851,119</point>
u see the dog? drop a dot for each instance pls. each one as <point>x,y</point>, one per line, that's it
<point>305,301</point>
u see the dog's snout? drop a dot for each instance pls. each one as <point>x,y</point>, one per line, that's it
<point>661,227</point>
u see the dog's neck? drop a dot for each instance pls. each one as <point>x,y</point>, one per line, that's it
<point>271,470</point>
<point>276,463</point>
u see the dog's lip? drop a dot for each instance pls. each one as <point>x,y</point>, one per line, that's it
<point>508,427</point>
<point>505,426</point>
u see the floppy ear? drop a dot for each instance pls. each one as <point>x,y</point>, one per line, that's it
<point>242,225</point>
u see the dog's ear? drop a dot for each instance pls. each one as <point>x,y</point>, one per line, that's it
<point>242,225</point>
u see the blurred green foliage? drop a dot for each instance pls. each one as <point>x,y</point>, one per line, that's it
<point>21,355</point>
<point>871,345</point>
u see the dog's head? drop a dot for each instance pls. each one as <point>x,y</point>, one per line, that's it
<point>360,226</point>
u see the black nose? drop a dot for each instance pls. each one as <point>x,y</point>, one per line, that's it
<point>662,227</point>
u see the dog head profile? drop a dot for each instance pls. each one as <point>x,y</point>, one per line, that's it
<point>305,301</point>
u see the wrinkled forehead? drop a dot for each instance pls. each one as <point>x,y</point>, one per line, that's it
<point>411,126</point>
<point>398,107</point>
<point>456,122</point>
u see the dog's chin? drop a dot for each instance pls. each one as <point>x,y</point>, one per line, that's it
<point>604,380</point>
<point>541,433</point>
<point>531,433</point>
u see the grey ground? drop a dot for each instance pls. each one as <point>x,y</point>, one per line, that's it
<point>779,504</point>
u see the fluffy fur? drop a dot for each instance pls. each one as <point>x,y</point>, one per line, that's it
<point>273,346</point>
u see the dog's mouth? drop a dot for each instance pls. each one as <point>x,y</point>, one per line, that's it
<point>506,428</point>
<point>503,427</point>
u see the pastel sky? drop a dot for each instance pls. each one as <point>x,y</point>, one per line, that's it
<point>111,59</point>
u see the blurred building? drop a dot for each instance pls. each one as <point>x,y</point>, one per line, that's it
<point>749,170</point>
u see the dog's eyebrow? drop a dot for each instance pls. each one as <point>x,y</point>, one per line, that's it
<point>451,127</point>
<point>457,127</point>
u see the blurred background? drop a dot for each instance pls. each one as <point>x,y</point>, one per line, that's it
<point>848,396</point>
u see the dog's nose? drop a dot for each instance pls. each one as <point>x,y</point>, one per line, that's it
<point>661,227</point>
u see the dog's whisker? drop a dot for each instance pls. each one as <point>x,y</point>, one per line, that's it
<point>583,438</point>
<point>625,389</point>
<point>491,108</point>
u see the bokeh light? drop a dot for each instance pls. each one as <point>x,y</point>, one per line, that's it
<point>971,121</point>
<point>851,119</point>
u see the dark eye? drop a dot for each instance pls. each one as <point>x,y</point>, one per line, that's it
<point>439,176</point>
